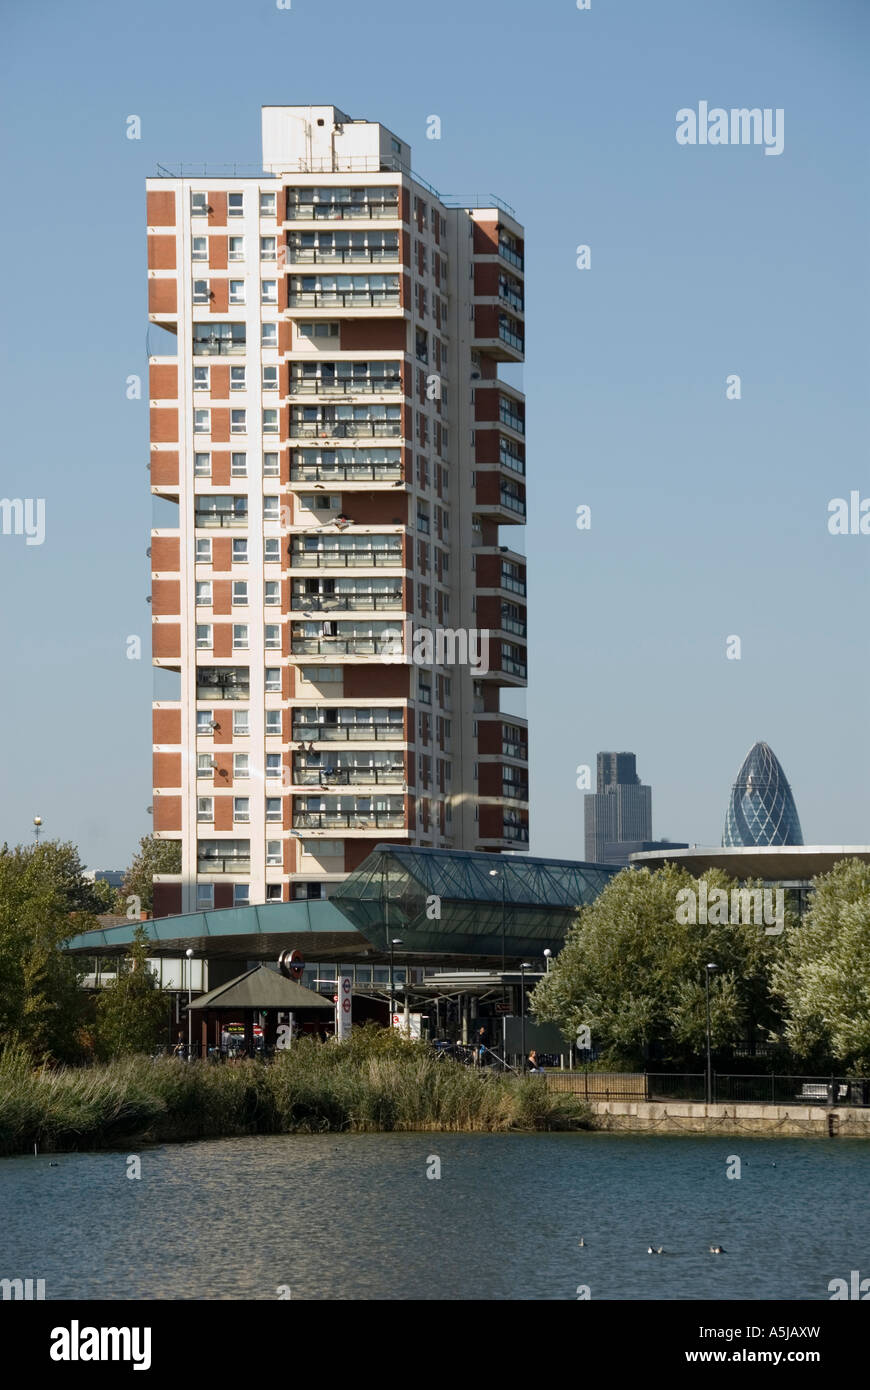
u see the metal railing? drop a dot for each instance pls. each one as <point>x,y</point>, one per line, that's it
<point>211,519</point>
<point>511,461</point>
<point>206,864</point>
<point>350,820</point>
<point>305,386</point>
<point>519,833</point>
<point>512,420</point>
<point>346,473</point>
<point>513,625</point>
<point>347,733</point>
<point>349,776</point>
<point>731,1088</point>
<point>342,212</point>
<point>512,339</point>
<point>346,429</point>
<point>345,603</point>
<point>513,504</point>
<point>307,255</point>
<point>512,257</point>
<point>515,750</point>
<point>337,646</point>
<point>344,299</point>
<point>513,586</point>
<point>346,559</point>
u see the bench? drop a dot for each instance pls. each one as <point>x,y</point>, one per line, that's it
<point>818,1090</point>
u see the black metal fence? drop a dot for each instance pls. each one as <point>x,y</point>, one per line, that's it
<point>773,1089</point>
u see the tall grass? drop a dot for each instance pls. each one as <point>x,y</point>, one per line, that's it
<point>360,1086</point>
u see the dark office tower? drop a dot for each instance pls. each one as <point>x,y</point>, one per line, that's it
<point>621,809</point>
<point>761,810</point>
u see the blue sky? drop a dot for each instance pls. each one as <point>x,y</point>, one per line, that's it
<point>709,516</point>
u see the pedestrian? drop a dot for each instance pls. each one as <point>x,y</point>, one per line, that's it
<point>480,1057</point>
<point>533,1061</point>
<point>178,1049</point>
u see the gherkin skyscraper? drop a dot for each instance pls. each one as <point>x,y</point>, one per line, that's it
<point>761,810</point>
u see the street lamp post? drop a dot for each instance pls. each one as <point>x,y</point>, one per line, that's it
<point>710,966</point>
<point>189,955</point>
<point>548,956</point>
<point>37,826</point>
<point>524,966</point>
<point>394,941</point>
<point>499,873</point>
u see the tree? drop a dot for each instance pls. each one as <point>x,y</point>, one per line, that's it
<point>823,978</point>
<point>44,899</point>
<point>633,973</point>
<point>105,896</point>
<point>153,857</point>
<point>132,1011</point>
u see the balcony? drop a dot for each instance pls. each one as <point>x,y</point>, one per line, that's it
<point>341,205</point>
<point>515,832</point>
<point>510,254</point>
<point>509,623</point>
<point>364,295</point>
<point>220,512</point>
<point>222,864</point>
<point>364,601</point>
<point>509,417</point>
<point>512,583</point>
<point>335,558</point>
<point>326,428</point>
<point>219,340</point>
<point>349,820</point>
<point>508,332</point>
<point>358,775</point>
<point>515,791</point>
<point>334,473</point>
<point>332,647</point>
<point>345,386</point>
<point>510,292</point>
<point>322,253</point>
<point>348,733</point>
<point>512,456</point>
<point>520,751</point>
<point>510,498</point>
<point>223,683</point>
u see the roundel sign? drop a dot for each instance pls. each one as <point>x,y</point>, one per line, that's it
<point>291,964</point>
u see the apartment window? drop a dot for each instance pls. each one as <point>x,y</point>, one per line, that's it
<point>203,593</point>
<point>273,890</point>
<point>200,378</point>
<point>322,674</point>
<point>239,466</point>
<point>269,292</point>
<point>199,205</point>
<point>317,330</point>
<point>237,378</point>
<point>273,856</point>
<point>236,248</point>
<point>238,422</point>
<point>267,204</point>
<point>240,593</point>
<point>272,635</point>
<point>272,549</point>
<point>270,418</point>
<point>200,292</point>
<point>273,722</point>
<point>271,507</point>
<point>272,592</point>
<point>269,335</point>
<point>236,205</point>
<point>241,767</point>
<point>203,548</point>
<point>273,808</point>
<point>241,809</point>
<point>241,723</point>
<point>240,552</point>
<point>202,422</point>
<point>199,248</point>
<point>273,760</point>
<point>270,465</point>
<point>203,636</point>
<point>204,766</point>
<point>204,722</point>
<point>268,248</point>
<point>205,808</point>
<point>273,680</point>
<point>202,467</point>
<point>237,291</point>
<point>270,378</point>
<point>241,894</point>
<point>240,637</point>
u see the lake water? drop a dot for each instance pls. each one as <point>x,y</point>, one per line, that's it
<point>355,1217</point>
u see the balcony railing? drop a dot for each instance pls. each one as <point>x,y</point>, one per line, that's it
<point>510,460</point>
<point>346,473</point>
<point>514,625</point>
<point>215,683</point>
<point>349,776</point>
<point>308,255</point>
<point>205,519</point>
<point>515,791</point>
<point>219,347</point>
<point>357,386</point>
<point>508,254</point>
<point>510,296</point>
<point>513,503</point>
<point>518,833</point>
<point>345,559</point>
<point>344,299</point>
<point>511,419</point>
<point>513,586</point>
<point>349,820</point>
<point>515,750</point>
<point>207,864</point>
<point>347,733</point>
<point>346,429</point>
<point>339,646</point>
<point>345,603</point>
<point>512,339</point>
<point>513,668</point>
<point>342,212</point>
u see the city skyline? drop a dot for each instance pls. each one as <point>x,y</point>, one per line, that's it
<point>626,374</point>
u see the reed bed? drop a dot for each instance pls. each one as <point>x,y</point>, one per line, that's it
<point>362,1086</point>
